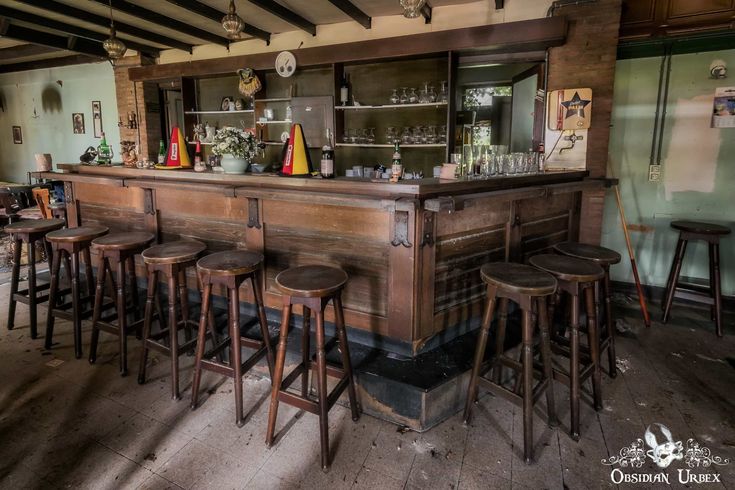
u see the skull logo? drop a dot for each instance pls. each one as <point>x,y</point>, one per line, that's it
<point>665,453</point>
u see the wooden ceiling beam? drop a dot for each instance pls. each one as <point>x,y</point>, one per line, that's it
<point>69,11</point>
<point>24,50</point>
<point>76,59</point>
<point>211,13</point>
<point>286,14</point>
<point>71,43</point>
<point>37,20</point>
<point>353,11</point>
<point>165,21</point>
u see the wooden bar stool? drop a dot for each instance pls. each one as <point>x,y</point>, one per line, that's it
<point>528,287</point>
<point>28,232</point>
<point>312,286</point>
<point>118,250</point>
<point>172,261</point>
<point>68,244</point>
<point>230,269</point>
<point>576,277</point>
<point>712,294</point>
<point>604,257</point>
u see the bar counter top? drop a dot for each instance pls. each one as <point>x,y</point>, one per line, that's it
<point>423,188</point>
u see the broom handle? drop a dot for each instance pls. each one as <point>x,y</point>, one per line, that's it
<point>641,297</point>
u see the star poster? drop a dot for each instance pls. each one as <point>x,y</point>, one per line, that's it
<point>570,108</point>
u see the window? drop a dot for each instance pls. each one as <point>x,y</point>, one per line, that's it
<point>476,97</point>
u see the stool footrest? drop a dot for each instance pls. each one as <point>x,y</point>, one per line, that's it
<point>510,395</point>
<point>26,300</point>
<point>584,373</point>
<point>226,369</point>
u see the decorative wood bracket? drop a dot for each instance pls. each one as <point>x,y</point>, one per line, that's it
<point>253,213</point>
<point>400,229</point>
<point>428,235</point>
<point>149,205</point>
<point>68,192</point>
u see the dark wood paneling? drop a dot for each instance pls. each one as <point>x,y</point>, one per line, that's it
<point>117,219</point>
<point>650,18</point>
<point>217,234</point>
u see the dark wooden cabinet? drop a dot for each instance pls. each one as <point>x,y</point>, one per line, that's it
<point>651,18</point>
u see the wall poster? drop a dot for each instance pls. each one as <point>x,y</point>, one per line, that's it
<point>97,118</point>
<point>723,113</point>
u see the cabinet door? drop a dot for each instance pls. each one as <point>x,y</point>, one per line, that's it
<point>316,115</point>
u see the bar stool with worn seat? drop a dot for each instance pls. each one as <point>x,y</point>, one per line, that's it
<point>604,257</point>
<point>712,295</point>
<point>528,287</point>
<point>68,244</point>
<point>576,277</point>
<point>28,232</point>
<point>171,260</point>
<point>118,250</point>
<point>312,286</point>
<point>230,269</point>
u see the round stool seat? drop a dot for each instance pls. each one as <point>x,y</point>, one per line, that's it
<point>123,241</point>
<point>700,227</point>
<point>518,278</point>
<point>174,252</point>
<point>35,226</point>
<point>568,268</point>
<point>230,263</point>
<point>595,253</point>
<point>76,235</point>
<point>311,281</point>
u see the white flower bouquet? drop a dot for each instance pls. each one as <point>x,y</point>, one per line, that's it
<point>235,142</point>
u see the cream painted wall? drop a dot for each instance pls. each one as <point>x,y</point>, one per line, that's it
<point>51,132</point>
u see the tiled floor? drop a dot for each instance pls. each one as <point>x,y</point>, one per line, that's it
<point>73,425</point>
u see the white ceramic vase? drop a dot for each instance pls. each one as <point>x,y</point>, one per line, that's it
<point>233,165</point>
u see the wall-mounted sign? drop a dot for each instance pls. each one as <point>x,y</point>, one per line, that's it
<point>97,118</point>
<point>570,108</point>
<point>723,114</point>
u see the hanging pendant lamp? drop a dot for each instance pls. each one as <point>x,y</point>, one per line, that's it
<point>232,23</point>
<point>113,45</point>
<point>412,8</point>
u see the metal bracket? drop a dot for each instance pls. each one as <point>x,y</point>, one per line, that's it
<point>400,229</point>
<point>149,206</point>
<point>253,213</point>
<point>428,236</point>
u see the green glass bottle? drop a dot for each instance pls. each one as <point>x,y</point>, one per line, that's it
<point>104,152</point>
<point>161,153</point>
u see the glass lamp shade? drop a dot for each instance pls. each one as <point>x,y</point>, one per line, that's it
<point>232,23</point>
<point>412,8</point>
<point>115,47</point>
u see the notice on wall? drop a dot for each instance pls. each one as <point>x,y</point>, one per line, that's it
<point>723,114</point>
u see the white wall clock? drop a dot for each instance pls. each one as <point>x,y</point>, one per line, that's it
<point>285,63</point>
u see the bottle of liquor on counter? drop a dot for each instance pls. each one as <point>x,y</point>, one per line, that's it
<point>326,168</point>
<point>396,167</point>
<point>199,165</point>
<point>541,157</point>
<point>104,152</point>
<point>161,153</point>
<point>344,90</point>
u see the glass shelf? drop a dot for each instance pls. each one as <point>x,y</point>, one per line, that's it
<point>248,111</point>
<point>386,145</point>
<point>273,122</point>
<point>274,99</point>
<point>387,106</point>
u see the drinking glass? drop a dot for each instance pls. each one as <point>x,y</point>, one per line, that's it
<point>390,135</point>
<point>418,134</point>
<point>424,93</point>
<point>394,98</point>
<point>403,98</point>
<point>431,135</point>
<point>532,159</point>
<point>370,136</point>
<point>506,165</point>
<point>413,98</point>
<point>432,94</point>
<point>353,136</point>
<point>443,93</point>
<point>442,136</point>
<point>406,136</point>
<point>519,161</point>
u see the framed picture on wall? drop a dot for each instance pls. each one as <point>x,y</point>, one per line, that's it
<point>97,118</point>
<point>77,121</point>
<point>17,135</point>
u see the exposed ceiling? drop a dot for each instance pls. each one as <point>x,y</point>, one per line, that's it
<point>38,33</point>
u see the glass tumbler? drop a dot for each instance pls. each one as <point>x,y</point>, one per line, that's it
<point>413,98</point>
<point>403,98</point>
<point>394,98</point>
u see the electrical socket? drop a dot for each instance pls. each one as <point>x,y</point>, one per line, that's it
<point>654,173</point>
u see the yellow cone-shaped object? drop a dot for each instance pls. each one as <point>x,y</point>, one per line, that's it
<point>177,155</point>
<point>297,160</point>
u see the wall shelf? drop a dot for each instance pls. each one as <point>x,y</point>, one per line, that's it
<point>386,145</point>
<point>203,143</point>
<point>436,105</point>
<point>274,99</point>
<point>248,111</point>
<point>273,122</point>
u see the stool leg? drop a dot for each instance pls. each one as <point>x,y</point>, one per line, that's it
<point>679,244</point>
<point>306,351</point>
<point>32,288</point>
<point>321,377</point>
<point>574,367</point>
<point>681,248</point>
<point>17,250</point>
<point>184,302</point>
<point>527,363</point>
<point>236,352</point>
<point>147,320</point>
<point>122,323</point>
<point>714,257</point>
<point>49,253</point>
<point>89,276</point>
<point>479,353</point>
<point>133,278</point>
<point>76,309</point>
<point>546,359</point>
<point>173,333</point>
<point>278,371</point>
<point>52,299</point>
<point>346,361</point>
<point>607,291</point>
<point>99,295</point>
<point>500,338</point>
<point>593,335</point>
<point>201,340</point>
<point>263,322</point>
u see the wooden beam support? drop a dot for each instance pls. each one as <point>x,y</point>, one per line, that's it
<point>286,14</point>
<point>353,11</point>
<point>165,21</point>
<point>24,50</point>
<point>426,12</point>
<point>69,11</point>
<point>82,46</point>
<point>76,59</point>
<point>211,13</point>
<point>69,29</point>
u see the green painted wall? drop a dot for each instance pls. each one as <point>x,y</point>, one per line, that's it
<point>698,167</point>
<point>51,132</point>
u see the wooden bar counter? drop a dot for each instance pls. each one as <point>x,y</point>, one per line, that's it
<point>413,250</point>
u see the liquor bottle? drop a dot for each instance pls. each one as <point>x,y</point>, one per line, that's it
<point>396,167</point>
<point>541,158</point>
<point>104,152</point>
<point>344,90</point>
<point>326,168</point>
<point>199,165</point>
<point>161,153</point>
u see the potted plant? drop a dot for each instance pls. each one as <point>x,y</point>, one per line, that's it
<point>236,147</point>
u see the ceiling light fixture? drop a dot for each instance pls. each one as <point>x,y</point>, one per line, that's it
<point>232,23</point>
<point>412,8</point>
<point>113,45</point>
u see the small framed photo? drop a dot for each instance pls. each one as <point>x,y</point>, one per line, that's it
<point>17,135</point>
<point>228,104</point>
<point>77,120</point>
<point>97,118</point>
